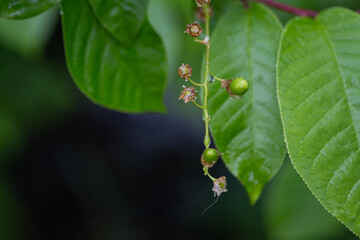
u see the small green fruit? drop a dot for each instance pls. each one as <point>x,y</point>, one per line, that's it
<point>239,86</point>
<point>209,157</point>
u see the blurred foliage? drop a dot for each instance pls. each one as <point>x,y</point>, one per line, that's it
<point>11,227</point>
<point>36,95</point>
<point>293,213</point>
<point>29,36</point>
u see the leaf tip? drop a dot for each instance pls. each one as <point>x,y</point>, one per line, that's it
<point>254,193</point>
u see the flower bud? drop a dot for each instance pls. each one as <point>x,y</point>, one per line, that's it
<point>185,71</point>
<point>209,157</point>
<point>194,29</point>
<point>188,94</point>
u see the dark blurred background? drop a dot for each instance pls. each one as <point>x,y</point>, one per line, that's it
<point>73,170</point>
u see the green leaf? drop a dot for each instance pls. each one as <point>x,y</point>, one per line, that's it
<point>122,18</point>
<point>319,89</point>
<point>20,9</point>
<point>125,78</point>
<point>292,212</point>
<point>248,131</point>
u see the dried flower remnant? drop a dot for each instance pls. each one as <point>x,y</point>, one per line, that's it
<point>188,94</point>
<point>185,71</point>
<point>219,186</point>
<point>194,29</point>
<point>199,13</point>
<point>202,2</point>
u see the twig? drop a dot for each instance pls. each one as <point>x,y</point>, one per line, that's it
<point>246,3</point>
<point>288,8</point>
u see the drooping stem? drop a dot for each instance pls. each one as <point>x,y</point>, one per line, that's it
<point>198,105</point>
<point>217,78</point>
<point>206,116</point>
<point>195,83</point>
<point>288,8</point>
<point>206,172</point>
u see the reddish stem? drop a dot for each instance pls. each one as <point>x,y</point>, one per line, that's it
<point>289,9</point>
<point>246,4</point>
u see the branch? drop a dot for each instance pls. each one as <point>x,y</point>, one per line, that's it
<point>246,4</point>
<point>289,9</point>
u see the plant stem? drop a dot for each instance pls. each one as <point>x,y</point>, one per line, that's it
<point>206,172</point>
<point>198,105</point>
<point>246,4</point>
<point>288,8</point>
<point>195,83</point>
<point>217,78</point>
<point>206,116</point>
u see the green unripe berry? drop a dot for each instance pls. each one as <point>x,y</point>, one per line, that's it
<point>239,86</point>
<point>209,157</point>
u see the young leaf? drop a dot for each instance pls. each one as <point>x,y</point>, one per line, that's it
<point>125,78</point>
<point>248,131</point>
<point>122,18</point>
<point>319,89</point>
<point>20,9</point>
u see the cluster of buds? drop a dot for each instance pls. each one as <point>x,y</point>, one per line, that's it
<point>188,93</point>
<point>210,156</point>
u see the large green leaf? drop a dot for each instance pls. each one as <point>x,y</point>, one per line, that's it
<point>20,9</point>
<point>122,18</point>
<point>319,96</point>
<point>126,78</point>
<point>292,212</point>
<point>247,131</point>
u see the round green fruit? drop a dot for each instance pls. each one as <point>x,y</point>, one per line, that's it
<point>239,86</point>
<point>211,155</point>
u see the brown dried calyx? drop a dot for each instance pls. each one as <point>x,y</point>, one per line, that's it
<point>194,29</point>
<point>188,94</point>
<point>219,186</point>
<point>202,2</point>
<point>185,71</point>
<point>200,13</point>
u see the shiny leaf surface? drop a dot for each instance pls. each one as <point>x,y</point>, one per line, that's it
<point>125,78</point>
<point>122,18</point>
<point>20,9</point>
<point>248,131</point>
<point>319,89</point>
